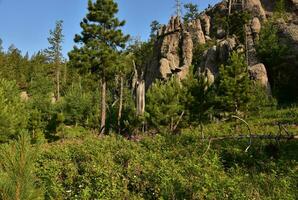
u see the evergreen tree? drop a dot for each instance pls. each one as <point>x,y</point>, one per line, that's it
<point>192,12</point>
<point>164,104</point>
<point>17,180</point>
<point>198,95</point>
<point>54,53</point>
<point>13,116</point>
<point>1,47</point>
<point>155,26</point>
<point>233,86</point>
<point>99,41</point>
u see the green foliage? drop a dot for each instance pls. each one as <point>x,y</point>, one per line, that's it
<point>17,180</point>
<point>76,106</point>
<point>275,54</point>
<point>13,115</point>
<point>54,53</point>
<point>192,12</point>
<point>198,95</point>
<point>1,47</point>
<point>164,103</point>
<point>99,40</point>
<point>233,24</point>
<point>233,87</point>
<point>40,104</point>
<point>280,9</point>
<point>168,167</point>
<point>155,26</point>
<point>269,48</point>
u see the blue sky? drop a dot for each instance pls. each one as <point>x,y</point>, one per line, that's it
<point>26,23</point>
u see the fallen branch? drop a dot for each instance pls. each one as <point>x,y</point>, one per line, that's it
<point>179,120</point>
<point>254,136</point>
<point>250,140</point>
<point>207,148</point>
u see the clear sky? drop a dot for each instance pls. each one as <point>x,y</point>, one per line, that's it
<point>26,23</point>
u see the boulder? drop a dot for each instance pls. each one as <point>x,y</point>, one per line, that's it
<point>258,73</point>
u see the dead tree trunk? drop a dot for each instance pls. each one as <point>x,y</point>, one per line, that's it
<point>139,85</point>
<point>140,98</point>
<point>103,105</point>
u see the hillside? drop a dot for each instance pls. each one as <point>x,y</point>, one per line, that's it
<point>206,108</point>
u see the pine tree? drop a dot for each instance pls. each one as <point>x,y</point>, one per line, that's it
<point>99,40</point>
<point>164,104</point>
<point>1,47</point>
<point>155,26</point>
<point>192,12</point>
<point>233,86</point>
<point>13,116</point>
<point>17,180</point>
<point>54,53</point>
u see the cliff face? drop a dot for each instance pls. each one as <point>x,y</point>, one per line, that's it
<point>176,41</point>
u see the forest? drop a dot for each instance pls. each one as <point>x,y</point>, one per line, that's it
<point>117,119</point>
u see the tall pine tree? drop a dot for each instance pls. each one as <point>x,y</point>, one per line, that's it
<point>54,52</point>
<point>98,44</point>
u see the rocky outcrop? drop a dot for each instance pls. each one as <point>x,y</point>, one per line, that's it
<point>173,52</point>
<point>214,56</point>
<point>256,9</point>
<point>295,4</point>
<point>258,73</point>
<point>174,49</point>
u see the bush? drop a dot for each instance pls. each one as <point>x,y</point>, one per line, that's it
<point>166,167</point>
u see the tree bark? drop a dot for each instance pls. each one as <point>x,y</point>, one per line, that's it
<point>120,102</point>
<point>103,105</point>
<point>58,82</point>
<point>140,98</point>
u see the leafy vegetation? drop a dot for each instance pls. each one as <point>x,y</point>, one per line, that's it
<point>70,130</point>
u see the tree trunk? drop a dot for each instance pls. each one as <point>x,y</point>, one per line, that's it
<point>120,102</point>
<point>103,105</point>
<point>140,98</point>
<point>57,82</point>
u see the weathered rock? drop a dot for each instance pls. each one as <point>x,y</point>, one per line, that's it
<point>205,19</point>
<point>217,55</point>
<point>295,3</point>
<point>256,25</point>
<point>256,8</point>
<point>173,50</point>
<point>195,29</point>
<point>258,73</point>
<point>187,47</point>
<point>225,47</point>
<point>165,69</point>
<point>220,33</point>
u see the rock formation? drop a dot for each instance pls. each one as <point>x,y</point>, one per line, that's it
<point>173,52</point>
